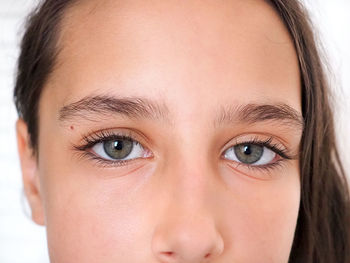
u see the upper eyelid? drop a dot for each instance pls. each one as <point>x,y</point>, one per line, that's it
<point>254,140</point>
<point>91,139</point>
<point>104,135</point>
<point>262,143</point>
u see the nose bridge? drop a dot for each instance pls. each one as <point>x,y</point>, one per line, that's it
<point>191,177</point>
<point>189,173</point>
<point>187,230</point>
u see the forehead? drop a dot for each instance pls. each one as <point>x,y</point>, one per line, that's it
<point>196,52</point>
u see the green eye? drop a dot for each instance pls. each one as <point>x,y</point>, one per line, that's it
<point>250,154</point>
<point>118,149</point>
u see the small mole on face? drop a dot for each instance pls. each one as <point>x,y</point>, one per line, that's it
<point>72,127</point>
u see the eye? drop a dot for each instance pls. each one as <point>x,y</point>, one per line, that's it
<point>251,154</point>
<point>118,149</point>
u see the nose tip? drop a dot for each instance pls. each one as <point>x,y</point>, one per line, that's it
<point>187,242</point>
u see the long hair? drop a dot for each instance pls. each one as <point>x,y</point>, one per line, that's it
<point>322,232</point>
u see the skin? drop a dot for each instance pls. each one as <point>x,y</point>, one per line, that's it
<point>185,202</point>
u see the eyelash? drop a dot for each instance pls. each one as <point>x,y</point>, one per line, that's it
<point>278,148</point>
<point>102,136</point>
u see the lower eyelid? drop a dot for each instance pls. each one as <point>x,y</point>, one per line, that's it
<point>264,173</point>
<point>110,163</point>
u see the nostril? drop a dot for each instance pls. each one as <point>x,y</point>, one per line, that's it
<point>167,253</point>
<point>183,241</point>
<point>167,256</point>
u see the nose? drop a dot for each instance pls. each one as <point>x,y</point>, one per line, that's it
<point>187,226</point>
<point>186,231</point>
<point>187,239</point>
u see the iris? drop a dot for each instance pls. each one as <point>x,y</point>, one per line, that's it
<point>118,149</point>
<point>248,153</point>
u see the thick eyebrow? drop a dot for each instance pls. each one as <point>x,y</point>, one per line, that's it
<point>142,108</point>
<point>131,107</point>
<point>252,113</point>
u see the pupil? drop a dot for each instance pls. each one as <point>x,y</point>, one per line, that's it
<point>118,145</point>
<point>247,150</point>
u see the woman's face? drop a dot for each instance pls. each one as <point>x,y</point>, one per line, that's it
<point>209,94</point>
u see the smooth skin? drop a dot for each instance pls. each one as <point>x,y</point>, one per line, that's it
<point>183,201</point>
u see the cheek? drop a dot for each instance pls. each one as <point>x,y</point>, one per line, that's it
<point>262,216</point>
<point>93,215</point>
<point>95,222</point>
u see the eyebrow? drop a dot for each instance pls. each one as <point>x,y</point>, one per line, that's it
<point>143,108</point>
<point>131,107</point>
<point>252,113</point>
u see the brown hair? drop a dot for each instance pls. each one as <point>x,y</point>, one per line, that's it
<point>322,233</point>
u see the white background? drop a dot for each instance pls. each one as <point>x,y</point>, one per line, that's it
<point>21,241</point>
